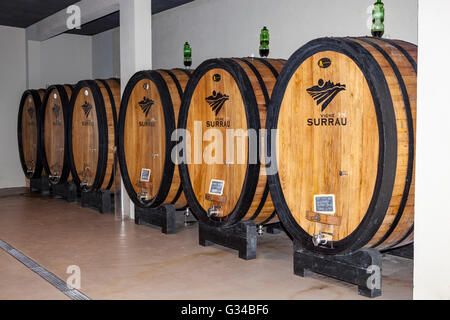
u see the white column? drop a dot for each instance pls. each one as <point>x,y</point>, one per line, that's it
<point>432,218</point>
<point>135,54</point>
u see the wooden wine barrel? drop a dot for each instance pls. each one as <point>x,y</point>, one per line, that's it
<point>148,115</point>
<point>92,133</point>
<point>345,110</point>
<point>225,94</point>
<point>29,133</point>
<point>55,120</point>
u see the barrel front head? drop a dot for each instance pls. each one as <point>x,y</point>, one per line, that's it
<point>147,121</point>
<point>55,114</point>
<point>29,131</point>
<point>345,138</point>
<point>221,112</point>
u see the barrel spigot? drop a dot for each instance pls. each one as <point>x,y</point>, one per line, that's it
<point>143,195</point>
<point>214,211</point>
<point>260,230</point>
<point>319,239</point>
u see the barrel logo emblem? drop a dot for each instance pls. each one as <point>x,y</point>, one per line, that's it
<point>87,107</point>
<point>324,63</point>
<point>56,109</point>
<point>146,105</point>
<point>325,92</point>
<point>216,101</point>
<point>217,77</point>
<point>30,111</point>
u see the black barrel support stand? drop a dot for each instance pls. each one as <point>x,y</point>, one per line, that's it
<point>164,216</point>
<point>101,200</point>
<point>241,236</point>
<point>404,252</point>
<point>41,185</point>
<point>65,190</point>
<point>362,268</point>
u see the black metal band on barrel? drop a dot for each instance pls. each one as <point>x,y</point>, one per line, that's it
<point>410,124</point>
<point>268,65</point>
<point>114,113</point>
<point>180,93</point>
<point>414,66</point>
<point>267,100</point>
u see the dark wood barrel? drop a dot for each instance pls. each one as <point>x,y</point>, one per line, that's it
<point>225,94</point>
<point>29,133</point>
<point>345,110</point>
<point>92,133</point>
<point>147,120</point>
<point>55,120</point>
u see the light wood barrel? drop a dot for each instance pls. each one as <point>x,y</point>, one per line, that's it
<point>55,120</point>
<point>92,133</point>
<point>148,115</point>
<point>29,133</point>
<point>345,110</point>
<point>225,94</point>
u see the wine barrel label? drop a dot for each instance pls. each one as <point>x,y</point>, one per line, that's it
<point>324,92</point>
<point>324,63</point>
<point>324,203</point>
<point>145,175</point>
<point>87,107</point>
<point>216,101</point>
<point>145,105</point>
<point>216,187</point>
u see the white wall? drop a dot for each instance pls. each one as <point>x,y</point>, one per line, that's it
<point>64,59</point>
<point>432,242</point>
<point>106,54</point>
<point>227,28</point>
<point>12,84</point>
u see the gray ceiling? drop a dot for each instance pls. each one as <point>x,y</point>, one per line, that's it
<point>23,13</point>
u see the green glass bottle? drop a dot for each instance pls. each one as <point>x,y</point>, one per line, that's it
<point>187,55</point>
<point>264,42</point>
<point>378,19</point>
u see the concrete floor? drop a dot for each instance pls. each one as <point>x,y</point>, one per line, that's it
<point>121,260</point>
